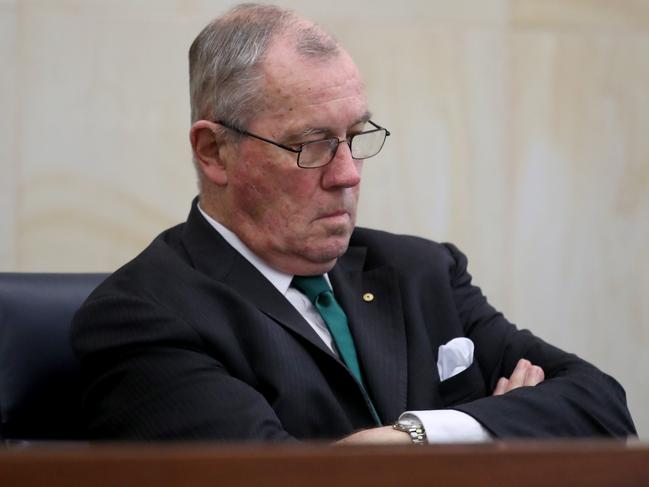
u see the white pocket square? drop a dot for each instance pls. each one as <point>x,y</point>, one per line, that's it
<point>454,357</point>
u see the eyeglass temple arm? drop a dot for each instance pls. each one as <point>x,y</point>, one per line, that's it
<point>378,127</point>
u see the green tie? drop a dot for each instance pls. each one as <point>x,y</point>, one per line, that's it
<point>317,290</point>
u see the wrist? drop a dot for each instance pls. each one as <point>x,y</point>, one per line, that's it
<point>414,428</point>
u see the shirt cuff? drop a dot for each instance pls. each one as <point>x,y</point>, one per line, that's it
<point>449,426</point>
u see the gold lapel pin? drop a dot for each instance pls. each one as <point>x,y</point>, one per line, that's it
<point>368,297</point>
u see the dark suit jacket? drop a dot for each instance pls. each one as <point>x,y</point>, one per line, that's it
<point>190,341</point>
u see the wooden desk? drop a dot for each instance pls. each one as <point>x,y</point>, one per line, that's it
<point>553,464</point>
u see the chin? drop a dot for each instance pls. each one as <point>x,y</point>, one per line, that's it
<point>330,250</point>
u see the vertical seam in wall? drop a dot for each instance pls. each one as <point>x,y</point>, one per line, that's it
<point>18,128</point>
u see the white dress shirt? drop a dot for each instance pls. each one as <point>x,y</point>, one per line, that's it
<point>441,425</point>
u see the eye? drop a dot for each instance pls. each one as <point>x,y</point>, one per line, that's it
<point>299,145</point>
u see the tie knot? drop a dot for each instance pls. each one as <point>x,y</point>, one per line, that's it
<point>311,286</point>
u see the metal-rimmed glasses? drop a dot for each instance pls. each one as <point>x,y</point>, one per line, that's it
<point>319,153</point>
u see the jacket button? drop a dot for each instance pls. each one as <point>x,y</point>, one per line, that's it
<point>368,297</point>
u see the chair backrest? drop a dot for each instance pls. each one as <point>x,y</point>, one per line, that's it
<point>40,396</point>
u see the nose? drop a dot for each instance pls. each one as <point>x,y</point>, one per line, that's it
<point>343,171</point>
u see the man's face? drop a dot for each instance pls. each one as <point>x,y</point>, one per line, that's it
<point>298,220</point>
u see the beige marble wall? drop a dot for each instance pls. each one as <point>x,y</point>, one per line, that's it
<point>519,133</point>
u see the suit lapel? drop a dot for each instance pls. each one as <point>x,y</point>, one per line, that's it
<point>251,284</point>
<point>377,326</point>
<point>213,256</point>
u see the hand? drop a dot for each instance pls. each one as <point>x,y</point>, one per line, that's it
<point>525,374</point>
<point>385,435</point>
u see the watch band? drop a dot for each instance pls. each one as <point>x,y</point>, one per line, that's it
<point>414,428</point>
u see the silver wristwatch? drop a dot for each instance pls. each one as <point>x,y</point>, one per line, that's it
<point>414,428</point>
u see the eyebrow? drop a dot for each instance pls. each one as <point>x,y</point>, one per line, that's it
<point>323,130</point>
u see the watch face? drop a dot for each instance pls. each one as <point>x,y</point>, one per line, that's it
<point>414,428</point>
<point>409,423</point>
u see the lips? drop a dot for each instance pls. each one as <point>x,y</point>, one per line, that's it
<point>337,211</point>
<point>334,214</point>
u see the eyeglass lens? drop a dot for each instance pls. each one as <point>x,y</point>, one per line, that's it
<point>363,146</point>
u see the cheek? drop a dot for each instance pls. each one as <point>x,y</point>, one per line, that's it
<point>273,197</point>
<point>291,185</point>
<point>250,191</point>
<point>294,198</point>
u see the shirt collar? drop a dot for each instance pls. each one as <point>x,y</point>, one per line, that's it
<point>280,280</point>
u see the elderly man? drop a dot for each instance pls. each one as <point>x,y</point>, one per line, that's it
<point>269,316</point>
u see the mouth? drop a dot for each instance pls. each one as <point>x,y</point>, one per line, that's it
<point>335,216</point>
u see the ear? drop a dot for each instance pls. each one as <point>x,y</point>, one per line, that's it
<point>207,146</point>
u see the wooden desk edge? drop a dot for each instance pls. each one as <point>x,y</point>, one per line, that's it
<point>553,463</point>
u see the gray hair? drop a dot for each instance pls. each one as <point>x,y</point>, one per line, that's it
<point>225,59</point>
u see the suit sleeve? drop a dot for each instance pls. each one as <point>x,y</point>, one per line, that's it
<point>575,400</point>
<point>147,377</point>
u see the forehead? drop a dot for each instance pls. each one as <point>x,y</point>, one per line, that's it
<point>302,92</point>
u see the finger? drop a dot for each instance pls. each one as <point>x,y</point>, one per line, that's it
<point>501,386</point>
<point>534,376</point>
<point>517,379</point>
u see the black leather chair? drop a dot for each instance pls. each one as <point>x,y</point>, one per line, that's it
<point>40,395</point>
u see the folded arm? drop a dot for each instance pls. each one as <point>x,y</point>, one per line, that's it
<point>525,375</point>
<point>575,399</point>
